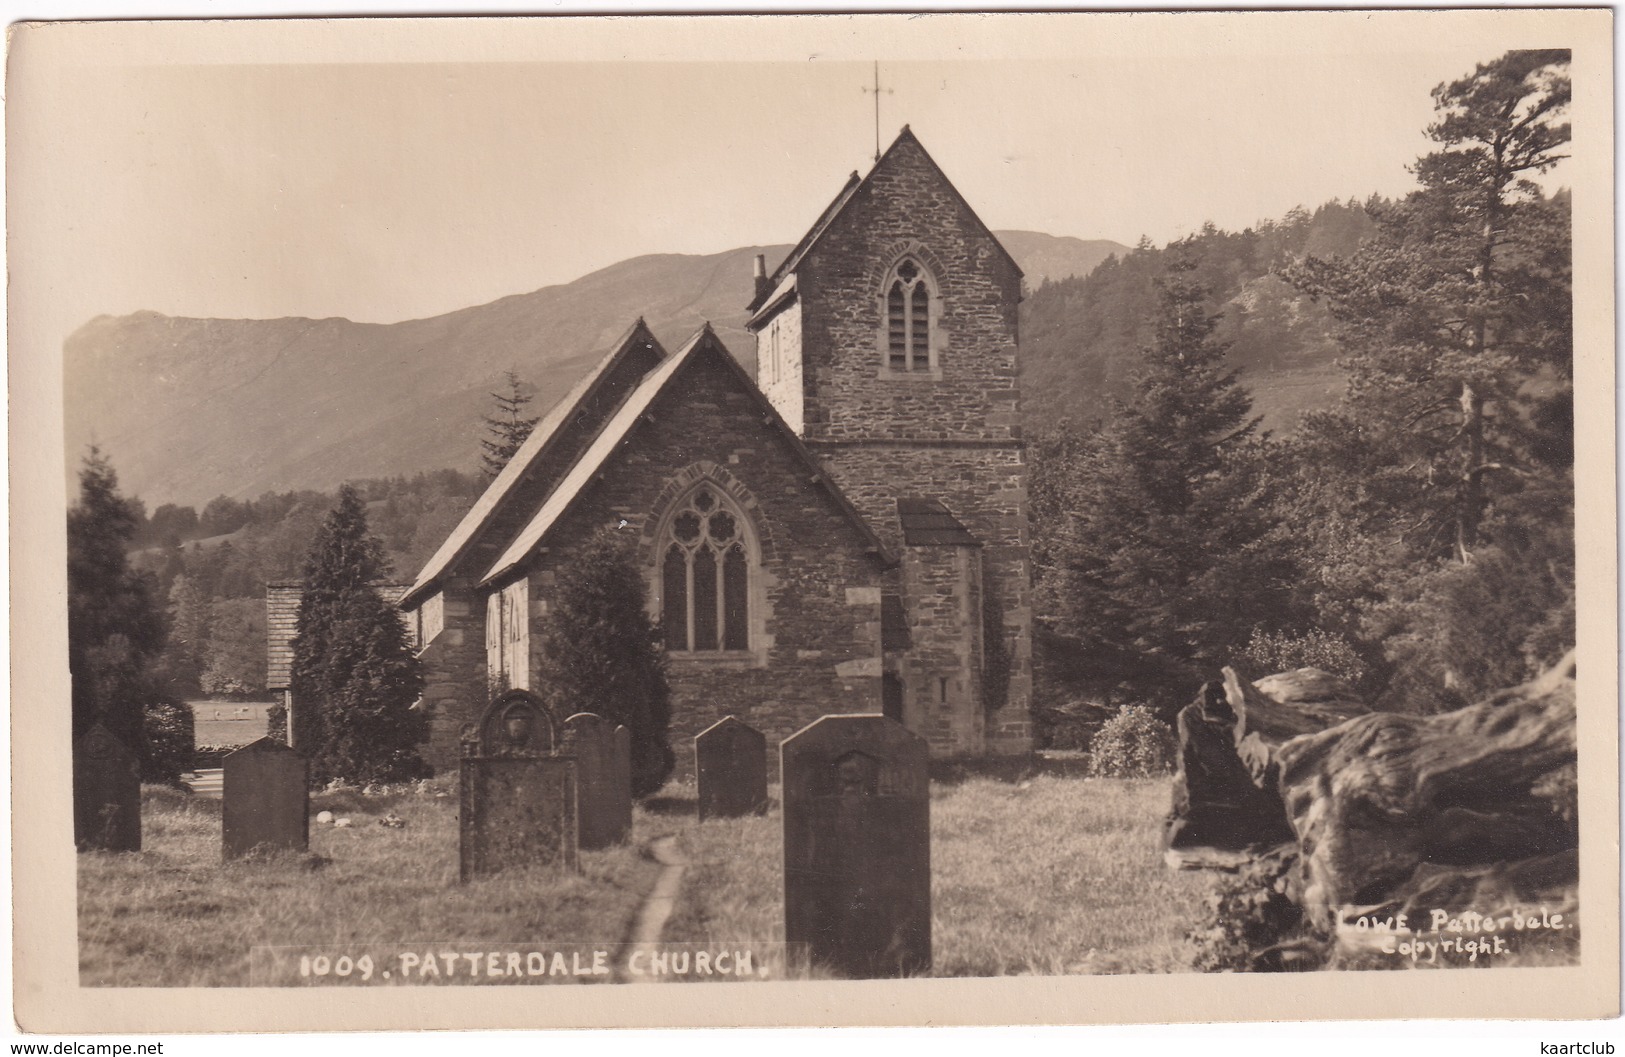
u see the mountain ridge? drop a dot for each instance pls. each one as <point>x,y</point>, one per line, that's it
<point>189,408</point>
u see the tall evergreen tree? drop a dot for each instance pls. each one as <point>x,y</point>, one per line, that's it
<point>601,653</point>
<point>1460,299</point>
<point>508,427</point>
<point>355,677</point>
<point>1166,561</point>
<point>1436,501</point>
<point>116,625</point>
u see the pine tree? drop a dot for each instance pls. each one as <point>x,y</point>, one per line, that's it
<point>1166,560</point>
<point>354,677</point>
<point>1435,502</point>
<point>601,653</point>
<point>1461,297</point>
<point>116,626</point>
<point>117,631</point>
<point>508,428</point>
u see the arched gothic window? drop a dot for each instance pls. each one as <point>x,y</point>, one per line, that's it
<point>908,318</point>
<point>705,576</point>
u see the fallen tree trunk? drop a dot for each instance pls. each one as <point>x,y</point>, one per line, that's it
<point>1227,807</point>
<point>1401,830</point>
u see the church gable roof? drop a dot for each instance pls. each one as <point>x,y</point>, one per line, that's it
<point>905,141</point>
<point>591,397</point>
<point>704,344</point>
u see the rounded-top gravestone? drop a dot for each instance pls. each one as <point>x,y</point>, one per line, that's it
<point>603,778</point>
<point>517,796</point>
<point>857,846</point>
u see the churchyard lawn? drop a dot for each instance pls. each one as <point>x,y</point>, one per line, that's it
<point>1046,875</point>
<point>172,916</point>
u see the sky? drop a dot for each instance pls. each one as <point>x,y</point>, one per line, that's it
<point>253,177</point>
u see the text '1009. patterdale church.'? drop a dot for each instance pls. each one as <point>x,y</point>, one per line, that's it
<point>845,534</point>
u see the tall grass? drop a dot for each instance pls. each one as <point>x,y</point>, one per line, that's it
<point>1050,875</point>
<point>172,915</point>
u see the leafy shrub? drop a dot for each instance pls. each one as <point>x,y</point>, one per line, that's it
<point>1132,744</point>
<point>601,653</point>
<point>167,727</point>
<point>1267,653</point>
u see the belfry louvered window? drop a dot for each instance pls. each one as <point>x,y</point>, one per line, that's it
<point>908,318</point>
<point>705,577</point>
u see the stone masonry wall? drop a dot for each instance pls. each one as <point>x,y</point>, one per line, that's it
<point>816,649</point>
<point>942,671</point>
<point>455,687</point>
<point>906,206</point>
<point>953,434</point>
<point>779,367</point>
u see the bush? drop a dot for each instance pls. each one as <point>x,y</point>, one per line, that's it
<point>1267,653</point>
<point>167,727</point>
<point>601,653</point>
<point>1132,744</point>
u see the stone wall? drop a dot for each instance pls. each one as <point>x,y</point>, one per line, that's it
<point>778,364</point>
<point>942,671</point>
<point>953,433</point>
<point>455,688</point>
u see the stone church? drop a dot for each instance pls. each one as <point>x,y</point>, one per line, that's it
<point>846,533</point>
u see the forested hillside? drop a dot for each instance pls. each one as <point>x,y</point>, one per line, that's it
<point>211,567</point>
<point>1414,534</point>
<point>1083,338</point>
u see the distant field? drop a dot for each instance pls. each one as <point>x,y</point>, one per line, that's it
<point>228,722</point>
<point>1283,396</point>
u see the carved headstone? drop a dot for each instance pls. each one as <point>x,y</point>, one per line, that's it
<point>730,766</point>
<point>266,799</point>
<point>517,802</point>
<point>603,781</point>
<point>857,846</point>
<point>106,793</point>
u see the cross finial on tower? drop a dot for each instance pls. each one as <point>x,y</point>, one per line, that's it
<point>877,90</point>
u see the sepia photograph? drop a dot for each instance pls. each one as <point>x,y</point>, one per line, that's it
<point>929,510</point>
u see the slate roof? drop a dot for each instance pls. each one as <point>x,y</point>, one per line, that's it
<point>927,523</point>
<point>620,424</point>
<point>536,445</point>
<point>850,191</point>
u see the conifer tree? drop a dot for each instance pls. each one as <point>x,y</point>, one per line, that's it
<point>117,631</point>
<point>1462,296</point>
<point>601,653</point>
<point>1166,560</point>
<point>508,428</point>
<point>354,677</point>
<point>116,626</point>
<point>1436,501</point>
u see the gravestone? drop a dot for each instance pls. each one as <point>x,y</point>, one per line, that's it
<point>266,791</point>
<point>730,767</point>
<point>857,846</point>
<point>517,802</point>
<point>603,778</point>
<point>106,793</point>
